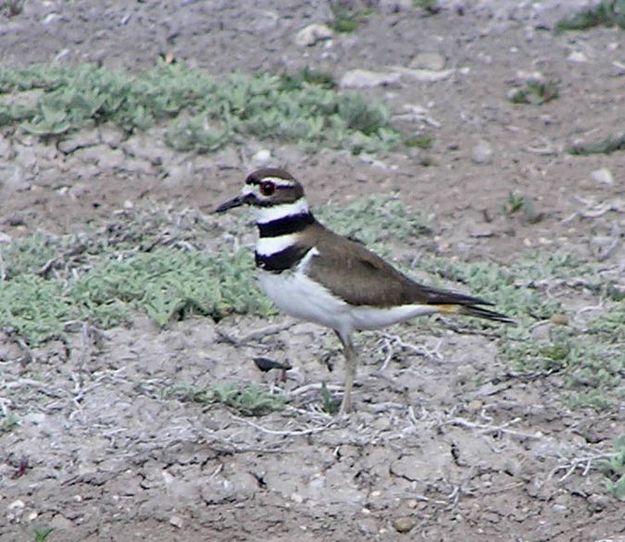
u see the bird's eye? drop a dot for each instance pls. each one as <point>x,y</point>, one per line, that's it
<point>267,188</point>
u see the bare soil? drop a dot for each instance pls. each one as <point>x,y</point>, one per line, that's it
<point>442,446</point>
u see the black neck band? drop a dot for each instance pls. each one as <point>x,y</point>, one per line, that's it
<point>286,225</point>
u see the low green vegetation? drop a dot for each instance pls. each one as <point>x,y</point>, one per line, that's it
<point>536,93</point>
<point>606,13</point>
<point>346,18</point>
<point>604,146</point>
<point>424,142</point>
<point>614,469</point>
<point>202,113</point>
<point>248,400</point>
<point>430,7</point>
<point>42,533</point>
<point>106,276</point>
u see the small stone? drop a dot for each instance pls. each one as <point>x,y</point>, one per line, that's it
<point>602,176</point>
<point>395,6</point>
<point>111,135</point>
<point>16,505</point>
<point>60,523</point>
<point>176,521</point>
<point>368,79</point>
<point>481,231</point>
<point>423,76</point>
<point>261,158</point>
<point>403,524</point>
<point>80,140</point>
<point>482,153</point>
<point>559,319</point>
<point>577,56</point>
<point>297,498</point>
<point>35,418</point>
<point>428,61</point>
<point>313,33</point>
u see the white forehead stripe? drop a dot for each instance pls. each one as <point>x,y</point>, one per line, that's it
<point>283,183</point>
<point>276,212</point>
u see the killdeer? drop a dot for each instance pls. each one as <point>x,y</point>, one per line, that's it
<point>314,274</point>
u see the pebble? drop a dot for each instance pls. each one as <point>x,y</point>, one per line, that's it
<point>403,524</point>
<point>261,158</point>
<point>313,33</point>
<point>368,79</point>
<point>17,504</point>
<point>176,521</point>
<point>559,319</point>
<point>80,140</point>
<point>395,6</point>
<point>424,76</point>
<point>482,153</point>
<point>428,61</point>
<point>577,56</point>
<point>602,176</point>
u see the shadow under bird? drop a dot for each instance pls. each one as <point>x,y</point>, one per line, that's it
<point>314,274</point>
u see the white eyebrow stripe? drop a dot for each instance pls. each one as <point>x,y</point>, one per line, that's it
<point>283,183</point>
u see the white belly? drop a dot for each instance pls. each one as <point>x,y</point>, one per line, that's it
<point>297,295</point>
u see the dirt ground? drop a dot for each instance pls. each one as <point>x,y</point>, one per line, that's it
<point>438,449</point>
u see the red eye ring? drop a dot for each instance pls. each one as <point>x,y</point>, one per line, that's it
<point>267,188</point>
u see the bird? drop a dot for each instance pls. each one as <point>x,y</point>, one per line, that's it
<point>314,274</point>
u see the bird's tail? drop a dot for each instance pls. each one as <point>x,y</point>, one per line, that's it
<point>475,310</point>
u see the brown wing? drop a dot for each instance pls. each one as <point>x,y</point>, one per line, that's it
<point>360,277</point>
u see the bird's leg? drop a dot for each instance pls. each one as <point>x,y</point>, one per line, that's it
<point>351,363</point>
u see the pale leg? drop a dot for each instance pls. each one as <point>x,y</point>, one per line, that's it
<point>351,362</point>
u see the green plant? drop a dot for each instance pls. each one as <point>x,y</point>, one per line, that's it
<point>422,142</point>
<point>330,404</point>
<point>614,469</point>
<point>249,400</point>
<point>202,113</point>
<point>607,13</point>
<point>536,93</point>
<point>605,146</point>
<point>346,19</point>
<point>429,6</point>
<point>307,76</point>
<point>42,533</point>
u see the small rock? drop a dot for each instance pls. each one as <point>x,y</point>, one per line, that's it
<point>602,176</point>
<point>176,521</point>
<point>403,524</point>
<point>6,148</point>
<point>424,76</point>
<point>79,141</point>
<point>428,61</point>
<point>482,153</point>
<point>16,505</point>
<point>261,158</point>
<point>481,231</point>
<point>111,159</point>
<point>111,135</point>
<point>577,56</point>
<point>311,34</point>
<point>395,6</point>
<point>559,319</point>
<point>35,418</point>
<point>368,79</point>
<point>60,523</point>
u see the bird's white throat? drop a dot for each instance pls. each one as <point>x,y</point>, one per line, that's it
<point>264,215</point>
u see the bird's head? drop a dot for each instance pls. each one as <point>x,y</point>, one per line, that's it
<point>265,188</point>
